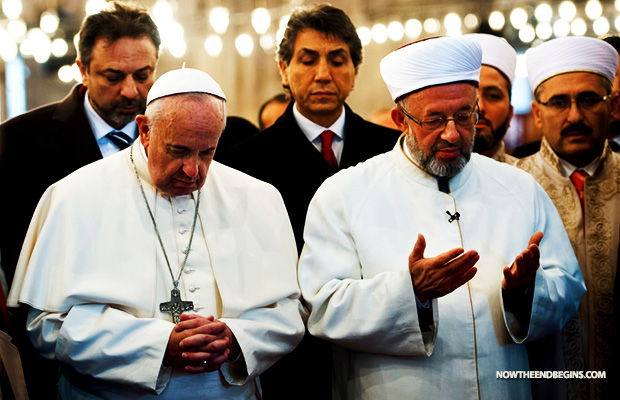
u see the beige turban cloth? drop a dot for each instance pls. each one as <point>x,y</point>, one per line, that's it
<point>184,80</point>
<point>570,54</point>
<point>431,62</point>
<point>497,53</point>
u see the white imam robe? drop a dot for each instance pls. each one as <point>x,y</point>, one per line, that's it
<point>361,227</point>
<point>93,273</point>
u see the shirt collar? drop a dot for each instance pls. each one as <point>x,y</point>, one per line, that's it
<point>313,130</point>
<point>100,127</point>
<point>568,168</point>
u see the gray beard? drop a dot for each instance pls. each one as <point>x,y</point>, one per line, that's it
<point>433,165</point>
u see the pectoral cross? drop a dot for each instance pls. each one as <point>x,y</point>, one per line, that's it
<point>176,306</point>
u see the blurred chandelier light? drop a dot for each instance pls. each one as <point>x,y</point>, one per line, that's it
<point>518,18</point>
<point>601,26</point>
<point>162,11</point>
<point>244,45</point>
<point>17,28</point>
<point>543,12</point>
<point>49,22</point>
<point>267,42</point>
<point>496,20</point>
<point>12,8</point>
<point>213,45</point>
<point>561,28</point>
<point>527,33</point>
<point>219,19</point>
<point>413,29</point>
<point>567,10</point>
<point>617,23</point>
<point>261,20</point>
<point>94,6</point>
<point>364,35</point>
<point>578,27</point>
<point>59,47</point>
<point>8,48</point>
<point>594,9</point>
<point>471,21</point>
<point>544,30</point>
<point>432,25</point>
<point>396,31</point>
<point>452,23</point>
<point>65,74</point>
<point>379,33</point>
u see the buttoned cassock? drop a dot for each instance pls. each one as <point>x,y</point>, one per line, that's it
<point>353,272</point>
<point>92,271</point>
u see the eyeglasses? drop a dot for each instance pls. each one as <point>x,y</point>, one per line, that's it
<point>464,120</point>
<point>584,101</point>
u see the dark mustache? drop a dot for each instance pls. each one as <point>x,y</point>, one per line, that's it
<point>128,103</point>
<point>578,127</point>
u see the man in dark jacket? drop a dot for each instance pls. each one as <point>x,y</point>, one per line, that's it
<point>317,136</point>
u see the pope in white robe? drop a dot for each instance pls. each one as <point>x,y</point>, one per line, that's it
<point>355,269</point>
<point>93,275</point>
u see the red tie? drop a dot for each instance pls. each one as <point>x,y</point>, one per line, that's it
<point>3,309</point>
<point>327,137</point>
<point>578,178</point>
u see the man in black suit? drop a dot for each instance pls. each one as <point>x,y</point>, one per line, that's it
<point>318,57</point>
<point>117,55</point>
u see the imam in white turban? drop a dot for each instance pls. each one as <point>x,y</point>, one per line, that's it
<point>497,53</point>
<point>570,54</point>
<point>431,62</point>
<point>184,80</point>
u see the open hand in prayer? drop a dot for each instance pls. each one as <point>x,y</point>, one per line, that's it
<point>524,266</point>
<point>436,277</point>
<point>200,344</point>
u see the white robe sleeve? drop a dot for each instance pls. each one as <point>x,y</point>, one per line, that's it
<point>558,287</point>
<point>371,314</point>
<point>104,342</point>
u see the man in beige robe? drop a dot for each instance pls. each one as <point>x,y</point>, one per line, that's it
<point>572,81</point>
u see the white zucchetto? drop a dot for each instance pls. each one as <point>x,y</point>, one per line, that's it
<point>497,53</point>
<point>570,54</point>
<point>431,62</point>
<point>184,80</point>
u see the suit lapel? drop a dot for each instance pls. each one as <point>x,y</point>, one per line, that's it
<point>74,132</point>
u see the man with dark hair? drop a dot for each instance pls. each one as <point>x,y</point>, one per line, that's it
<point>317,136</point>
<point>499,61</point>
<point>117,56</point>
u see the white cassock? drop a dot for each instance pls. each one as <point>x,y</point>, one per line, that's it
<point>93,273</point>
<point>353,272</point>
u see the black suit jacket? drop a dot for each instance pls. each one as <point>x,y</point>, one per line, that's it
<point>37,149</point>
<point>283,156</point>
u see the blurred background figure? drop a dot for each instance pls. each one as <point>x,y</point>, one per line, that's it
<point>383,117</point>
<point>271,110</point>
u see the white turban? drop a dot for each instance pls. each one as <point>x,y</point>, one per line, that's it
<point>497,53</point>
<point>431,62</point>
<point>570,54</point>
<point>184,80</point>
